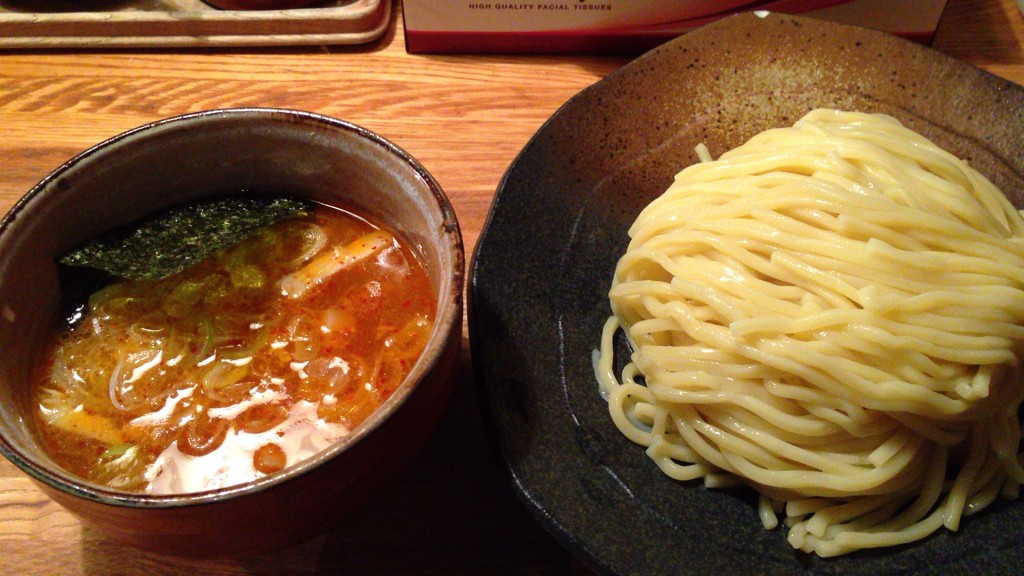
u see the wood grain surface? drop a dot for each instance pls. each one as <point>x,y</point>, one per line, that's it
<point>51,24</point>
<point>465,118</point>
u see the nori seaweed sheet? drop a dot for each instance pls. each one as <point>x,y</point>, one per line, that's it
<point>181,237</point>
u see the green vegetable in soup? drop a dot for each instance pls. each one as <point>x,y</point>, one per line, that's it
<point>180,237</point>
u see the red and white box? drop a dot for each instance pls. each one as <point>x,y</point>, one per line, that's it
<point>626,26</point>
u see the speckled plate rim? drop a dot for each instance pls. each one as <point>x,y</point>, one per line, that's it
<point>539,274</point>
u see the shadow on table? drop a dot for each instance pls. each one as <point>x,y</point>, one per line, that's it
<point>453,512</point>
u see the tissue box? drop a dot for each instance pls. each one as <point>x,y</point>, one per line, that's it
<point>626,26</point>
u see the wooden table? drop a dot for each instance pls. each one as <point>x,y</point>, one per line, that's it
<point>465,118</point>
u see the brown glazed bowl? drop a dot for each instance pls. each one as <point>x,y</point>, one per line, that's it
<point>198,156</point>
<point>566,204</point>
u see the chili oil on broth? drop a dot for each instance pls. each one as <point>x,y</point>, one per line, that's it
<point>248,362</point>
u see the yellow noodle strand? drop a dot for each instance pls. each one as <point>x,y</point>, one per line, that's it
<point>833,314</point>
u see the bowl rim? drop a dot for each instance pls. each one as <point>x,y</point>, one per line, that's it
<point>447,320</point>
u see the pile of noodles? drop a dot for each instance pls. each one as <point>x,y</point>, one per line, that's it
<point>833,314</point>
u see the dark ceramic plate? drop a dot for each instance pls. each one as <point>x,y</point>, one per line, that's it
<point>558,224</point>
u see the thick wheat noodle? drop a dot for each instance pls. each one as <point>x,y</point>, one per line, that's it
<point>833,314</point>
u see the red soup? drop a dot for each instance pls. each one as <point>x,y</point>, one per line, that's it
<point>250,361</point>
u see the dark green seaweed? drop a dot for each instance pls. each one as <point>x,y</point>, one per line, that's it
<point>180,237</point>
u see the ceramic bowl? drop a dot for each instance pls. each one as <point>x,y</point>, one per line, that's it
<point>203,155</point>
<point>538,295</point>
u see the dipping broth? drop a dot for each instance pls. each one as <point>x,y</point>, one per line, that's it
<point>250,361</point>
